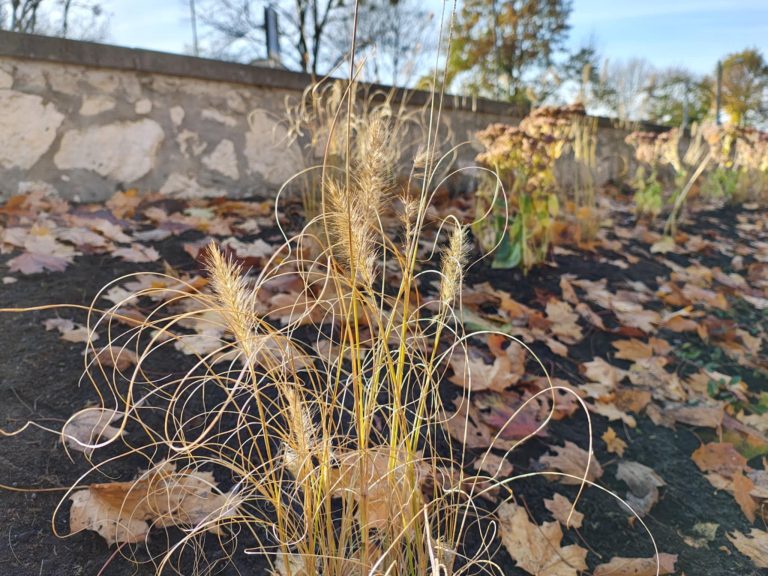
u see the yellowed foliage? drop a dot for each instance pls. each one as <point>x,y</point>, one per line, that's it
<point>613,443</point>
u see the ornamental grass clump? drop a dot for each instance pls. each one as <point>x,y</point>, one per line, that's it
<point>308,420</point>
<point>313,122</point>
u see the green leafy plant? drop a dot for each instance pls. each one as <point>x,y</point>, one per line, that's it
<point>648,198</point>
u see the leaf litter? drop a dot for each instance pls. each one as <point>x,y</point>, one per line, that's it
<point>637,374</point>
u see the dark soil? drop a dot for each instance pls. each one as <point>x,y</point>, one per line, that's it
<point>39,375</point>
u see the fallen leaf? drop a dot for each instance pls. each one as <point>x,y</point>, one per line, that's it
<point>643,484</point>
<point>508,413</point>
<point>89,426</point>
<point>124,204</point>
<point>465,426</point>
<point>613,443</point>
<point>742,489</point>
<point>645,320</point>
<point>631,399</point>
<point>598,370</point>
<point>471,371</point>
<point>116,357</point>
<point>589,315</point>
<point>496,466</point>
<point>69,330</point>
<point>754,546</point>
<point>137,253</point>
<point>572,460</point>
<point>537,549</point>
<point>563,511</point>
<point>719,457</point>
<point>391,492</point>
<point>703,416</point>
<point>569,294</point>
<point>564,322</point>
<point>703,534</point>
<point>123,511</point>
<point>34,263</point>
<point>632,349</point>
<point>619,566</point>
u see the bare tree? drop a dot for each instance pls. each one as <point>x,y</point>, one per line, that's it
<point>234,30</point>
<point>396,38</point>
<point>625,87</point>
<point>82,19</point>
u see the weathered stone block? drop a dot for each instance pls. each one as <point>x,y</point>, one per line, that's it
<point>27,128</point>
<point>123,151</point>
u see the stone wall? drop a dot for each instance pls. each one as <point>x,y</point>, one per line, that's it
<point>87,119</point>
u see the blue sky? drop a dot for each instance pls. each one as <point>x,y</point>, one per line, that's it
<point>692,33</point>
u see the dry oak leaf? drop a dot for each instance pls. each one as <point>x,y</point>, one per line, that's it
<point>537,549</point>
<point>572,460</point>
<point>563,511</point>
<point>619,566</point>
<point>754,546</point>
<point>88,426</point>
<point>125,511</point>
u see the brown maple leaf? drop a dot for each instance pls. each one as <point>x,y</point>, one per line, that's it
<point>572,460</point>
<point>538,549</point>
<point>124,511</point>
<point>619,566</point>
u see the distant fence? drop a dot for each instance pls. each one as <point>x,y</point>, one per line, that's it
<point>87,119</point>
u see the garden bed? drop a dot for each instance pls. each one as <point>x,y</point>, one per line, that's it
<point>39,375</point>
